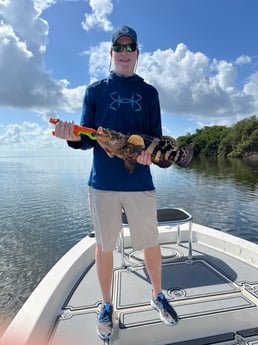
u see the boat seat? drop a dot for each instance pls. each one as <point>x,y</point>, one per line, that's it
<point>165,216</point>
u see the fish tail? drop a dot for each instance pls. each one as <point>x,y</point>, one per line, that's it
<point>184,155</point>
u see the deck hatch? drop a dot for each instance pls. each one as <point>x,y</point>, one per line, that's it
<point>198,279</point>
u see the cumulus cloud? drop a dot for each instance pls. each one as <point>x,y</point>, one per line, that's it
<point>101,9</point>
<point>190,82</point>
<point>23,39</point>
<point>251,88</point>
<point>99,60</point>
<point>243,60</point>
<point>27,136</point>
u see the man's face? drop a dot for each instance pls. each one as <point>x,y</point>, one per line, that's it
<point>124,61</point>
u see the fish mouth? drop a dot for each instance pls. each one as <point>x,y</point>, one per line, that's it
<point>103,138</point>
<point>103,135</point>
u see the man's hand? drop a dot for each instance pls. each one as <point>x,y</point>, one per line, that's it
<point>144,158</point>
<point>64,130</point>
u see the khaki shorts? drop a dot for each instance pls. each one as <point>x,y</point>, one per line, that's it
<point>106,213</point>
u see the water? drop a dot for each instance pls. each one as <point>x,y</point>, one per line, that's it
<point>44,210</point>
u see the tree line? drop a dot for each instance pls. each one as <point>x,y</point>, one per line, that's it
<point>238,141</point>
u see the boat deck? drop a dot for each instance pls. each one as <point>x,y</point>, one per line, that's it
<point>214,294</point>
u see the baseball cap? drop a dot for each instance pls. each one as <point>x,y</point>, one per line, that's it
<point>124,31</point>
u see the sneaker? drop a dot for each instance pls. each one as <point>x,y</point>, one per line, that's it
<point>104,321</point>
<point>167,313</point>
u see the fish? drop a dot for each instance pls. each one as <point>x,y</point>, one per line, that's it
<point>164,150</point>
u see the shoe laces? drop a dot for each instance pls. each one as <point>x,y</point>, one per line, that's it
<point>162,299</point>
<point>106,312</point>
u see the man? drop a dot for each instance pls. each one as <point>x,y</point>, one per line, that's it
<point>125,103</point>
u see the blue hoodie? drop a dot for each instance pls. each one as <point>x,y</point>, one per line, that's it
<point>127,105</point>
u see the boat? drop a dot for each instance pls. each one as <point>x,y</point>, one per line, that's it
<point>209,276</point>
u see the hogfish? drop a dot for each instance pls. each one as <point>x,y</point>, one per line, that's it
<point>164,150</point>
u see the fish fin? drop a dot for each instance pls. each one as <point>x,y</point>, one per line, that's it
<point>129,165</point>
<point>110,155</point>
<point>130,154</point>
<point>184,155</point>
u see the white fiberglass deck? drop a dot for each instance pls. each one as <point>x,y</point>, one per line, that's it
<point>214,294</point>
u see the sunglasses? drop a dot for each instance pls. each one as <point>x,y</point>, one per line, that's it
<point>130,47</point>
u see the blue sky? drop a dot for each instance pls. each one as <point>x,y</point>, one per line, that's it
<point>201,55</point>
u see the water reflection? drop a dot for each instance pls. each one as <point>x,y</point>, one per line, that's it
<point>219,193</point>
<point>241,171</point>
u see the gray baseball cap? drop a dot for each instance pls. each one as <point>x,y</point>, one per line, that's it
<point>124,31</point>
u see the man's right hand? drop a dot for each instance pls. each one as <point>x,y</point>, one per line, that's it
<point>64,130</point>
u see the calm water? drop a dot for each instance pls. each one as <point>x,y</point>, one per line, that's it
<point>44,210</point>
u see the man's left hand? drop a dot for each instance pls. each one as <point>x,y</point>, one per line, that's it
<point>144,158</point>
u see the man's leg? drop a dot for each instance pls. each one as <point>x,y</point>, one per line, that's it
<point>104,264</point>
<point>152,258</point>
<point>159,302</point>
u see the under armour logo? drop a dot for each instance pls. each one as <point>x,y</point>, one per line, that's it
<point>124,30</point>
<point>118,100</point>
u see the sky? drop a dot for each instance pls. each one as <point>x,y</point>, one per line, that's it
<point>201,55</point>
